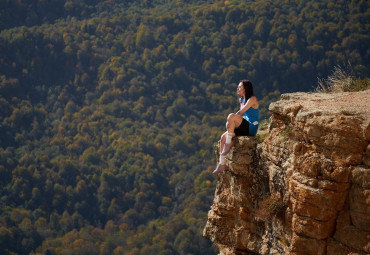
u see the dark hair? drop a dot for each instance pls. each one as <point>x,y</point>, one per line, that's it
<point>248,89</point>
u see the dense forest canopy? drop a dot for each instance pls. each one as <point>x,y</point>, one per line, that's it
<point>109,110</point>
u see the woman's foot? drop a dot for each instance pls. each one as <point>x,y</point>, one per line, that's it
<point>220,168</point>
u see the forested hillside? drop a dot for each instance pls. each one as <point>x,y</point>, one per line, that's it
<point>109,110</point>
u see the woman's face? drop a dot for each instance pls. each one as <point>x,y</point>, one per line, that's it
<point>241,89</point>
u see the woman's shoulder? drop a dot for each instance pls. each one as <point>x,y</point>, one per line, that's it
<point>253,99</point>
<point>255,103</point>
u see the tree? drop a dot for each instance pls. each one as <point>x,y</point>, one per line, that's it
<point>144,37</point>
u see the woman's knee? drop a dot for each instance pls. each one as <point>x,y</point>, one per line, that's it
<point>231,116</point>
<point>234,118</point>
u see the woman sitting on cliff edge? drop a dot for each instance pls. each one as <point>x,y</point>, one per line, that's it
<point>243,123</point>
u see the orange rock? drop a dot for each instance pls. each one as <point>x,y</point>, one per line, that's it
<point>333,186</point>
<point>353,237</point>
<point>336,248</point>
<point>359,202</point>
<point>367,133</point>
<point>308,246</point>
<point>318,197</point>
<point>309,227</point>
<point>316,160</point>
<point>319,213</point>
<point>366,158</point>
<point>361,177</point>
<point>337,174</point>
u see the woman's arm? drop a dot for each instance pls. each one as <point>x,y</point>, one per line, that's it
<point>251,101</point>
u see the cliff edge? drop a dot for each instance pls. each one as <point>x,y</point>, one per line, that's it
<point>306,188</point>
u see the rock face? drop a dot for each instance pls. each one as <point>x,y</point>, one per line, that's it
<point>306,188</point>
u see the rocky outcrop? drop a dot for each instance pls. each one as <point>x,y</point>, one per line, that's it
<point>306,188</point>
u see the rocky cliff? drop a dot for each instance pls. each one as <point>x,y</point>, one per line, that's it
<point>306,188</point>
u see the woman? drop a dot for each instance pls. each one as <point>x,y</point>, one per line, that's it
<point>243,123</point>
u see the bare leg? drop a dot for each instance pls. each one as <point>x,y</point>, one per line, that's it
<point>233,120</point>
<point>222,142</point>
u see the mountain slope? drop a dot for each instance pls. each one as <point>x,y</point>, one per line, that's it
<point>109,110</point>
